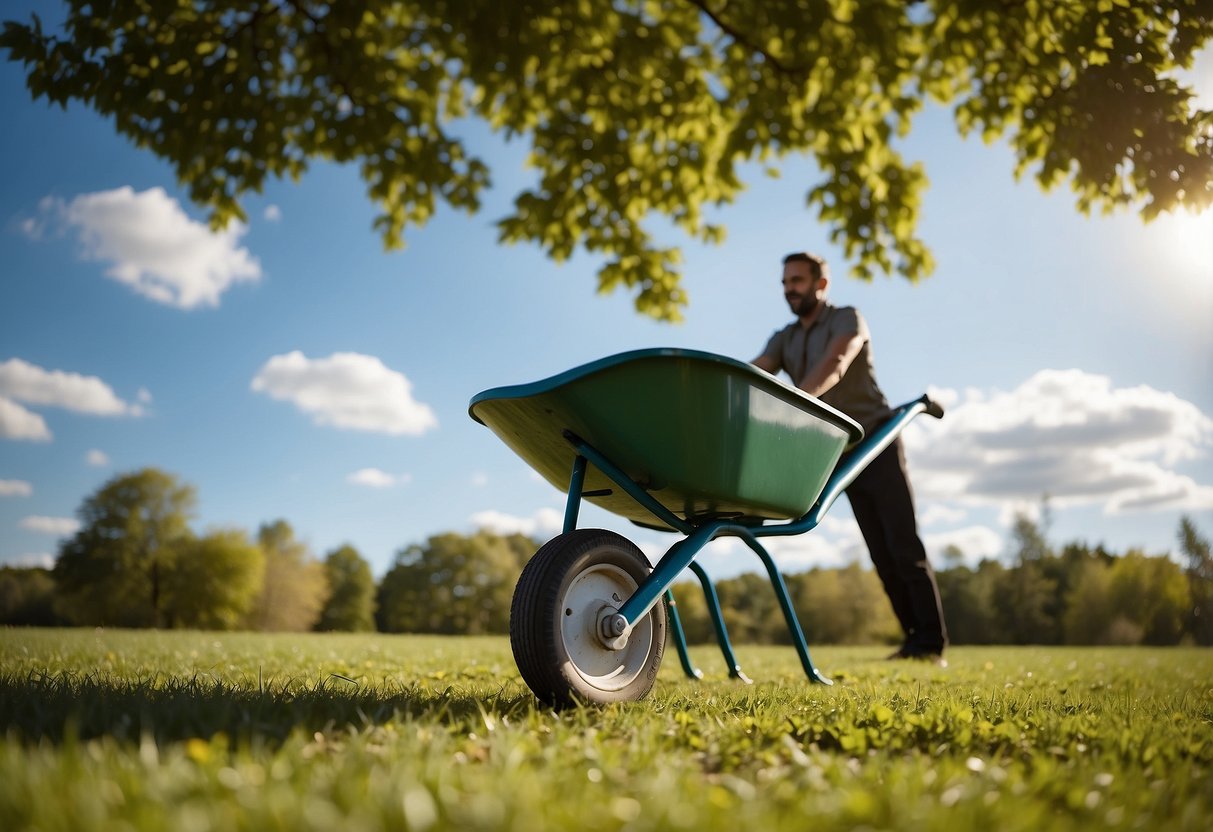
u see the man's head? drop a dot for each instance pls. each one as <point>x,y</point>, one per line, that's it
<point>805,278</point>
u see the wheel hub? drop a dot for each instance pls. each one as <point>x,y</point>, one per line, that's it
<point>602,649</point>
<point>613,628</point>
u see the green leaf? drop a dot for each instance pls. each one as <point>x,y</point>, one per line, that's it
<point>637,111</point>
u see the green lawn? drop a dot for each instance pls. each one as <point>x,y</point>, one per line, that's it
<point>193,731</point>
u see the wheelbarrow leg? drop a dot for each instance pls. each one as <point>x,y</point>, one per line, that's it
<point>789,614</point>
<point>573,503</point>
<point>680,639</point>
<point>722,634</point>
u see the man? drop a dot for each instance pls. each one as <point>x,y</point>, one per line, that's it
<point>827,353</point>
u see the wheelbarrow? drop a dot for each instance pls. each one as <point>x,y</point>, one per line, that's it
<point>676,440</point>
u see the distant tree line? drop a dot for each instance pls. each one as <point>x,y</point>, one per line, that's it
<point>1078,594</point>
<point>135,562</point>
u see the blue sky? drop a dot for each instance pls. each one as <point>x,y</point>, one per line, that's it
<point>293,369</point>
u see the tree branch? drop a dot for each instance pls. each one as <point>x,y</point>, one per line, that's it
<point>741,38</point>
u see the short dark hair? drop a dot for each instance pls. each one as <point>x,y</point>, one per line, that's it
<point>817,265</point>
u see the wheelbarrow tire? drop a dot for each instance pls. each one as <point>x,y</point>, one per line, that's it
<point>553,619</point>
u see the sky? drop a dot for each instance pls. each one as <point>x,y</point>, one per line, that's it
<point>292,369</point>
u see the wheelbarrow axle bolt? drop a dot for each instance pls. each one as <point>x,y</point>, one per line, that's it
<point>617,624</point>
<point>612,629</point>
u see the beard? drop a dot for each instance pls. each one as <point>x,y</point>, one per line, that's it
<point>802,305</point>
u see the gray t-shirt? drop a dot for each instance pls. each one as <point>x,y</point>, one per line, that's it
<point>795,349</point>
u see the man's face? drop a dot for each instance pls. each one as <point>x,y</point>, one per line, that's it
<point>800,288</point>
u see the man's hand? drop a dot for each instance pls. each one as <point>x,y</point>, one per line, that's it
<point>765,362</point>
<point>833,365</point>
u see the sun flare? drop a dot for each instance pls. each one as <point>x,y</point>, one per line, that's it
<point>1187,243</point>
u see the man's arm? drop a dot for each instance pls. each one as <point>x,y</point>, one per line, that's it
<point>766,362</point>
<point>833,365</point>
<point>769,360</point>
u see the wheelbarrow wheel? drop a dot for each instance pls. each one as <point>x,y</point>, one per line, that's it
<point>560,599</point>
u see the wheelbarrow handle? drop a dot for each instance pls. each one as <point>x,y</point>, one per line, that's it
<point>933,408</point>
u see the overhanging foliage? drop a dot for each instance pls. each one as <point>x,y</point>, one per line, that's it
<point>636,108</point>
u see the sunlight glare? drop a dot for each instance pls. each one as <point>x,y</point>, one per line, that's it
<point>1186,242</point>
<point>1199,78</point>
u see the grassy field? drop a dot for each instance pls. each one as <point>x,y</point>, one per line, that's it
<point>196,731</point>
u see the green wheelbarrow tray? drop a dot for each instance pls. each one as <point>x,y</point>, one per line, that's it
<point>706,435</point>
<point>677,440</point>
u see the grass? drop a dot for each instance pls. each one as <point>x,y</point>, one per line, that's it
<point>196,731</point>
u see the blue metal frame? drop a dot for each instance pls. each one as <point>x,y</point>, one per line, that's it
<point>682,554</point>
<point>680,639</point>
<point>722,633</point>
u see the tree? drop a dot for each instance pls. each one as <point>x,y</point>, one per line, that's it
<point>1028,537</point>
<point>953,556</point>
<point>1152,594</point>
<point>635,108</point>
<point>453,584</point>
<point>351,604</point>
<point>843,606</point>
<point>967,596</point>
<point>1064,571</point>
<point>751,611</point>
<point>295,586</point>
<point>693,614</point>
<point>214,581</point>
<point>1195,549</point>
<point>1025,602</point>
<point>1130,599</point>
<point>1091,608</point>
<point>113,570</point>
<point>27,598</point>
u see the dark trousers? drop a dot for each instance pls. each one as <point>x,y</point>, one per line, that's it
<point>884,508</point>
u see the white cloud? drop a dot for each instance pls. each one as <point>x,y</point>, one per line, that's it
<point>39,560</point>
<point>1010,511</point>
<point>18,423</point>
<point>654,551</point>
<point>818,548</point>
<point>976,542</point>
<point>375,478</point>
<point>272,213</point>
<point>97,458</point>
<point>1068,434</point>
<point>346,390</point>
<point>58,526</point>
<point>154,247</point>
<point>31,384</point>
<point>544,523</point>
<point>836,542</point>
<point>32,227</point>
<point>480,479</point>
<point>15,488</point>
<point>937,514</point>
